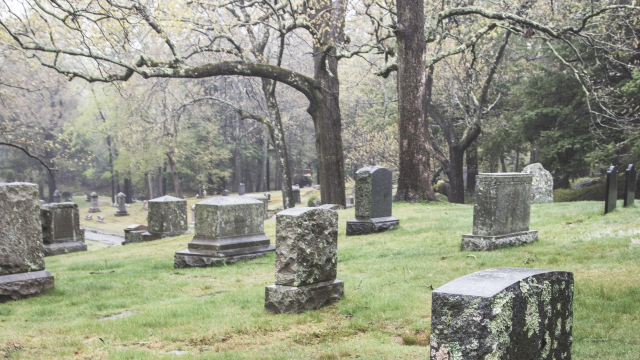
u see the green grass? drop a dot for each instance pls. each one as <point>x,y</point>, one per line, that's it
<point>217,313</point>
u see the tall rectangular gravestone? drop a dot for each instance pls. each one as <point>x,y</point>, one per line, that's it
<point>167,217</point>
<point>306,261</point>
<point>228,229</point>
<point>22,272</point>
<point>61,233</point>
<point>501,212</point>
<point>95,206</point>
<point>121,199</point>
<point>503,314</point>
<point>241,189</point>
<point>611,195</point>
<point>630,185</point>
<point>296,194</point>
<point>373,202</point>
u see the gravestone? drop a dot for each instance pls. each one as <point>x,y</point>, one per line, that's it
<point>264,200</point>
<point>88,198</point>
<point>241,189</point>
<point>316,187</point>
<point>611,195</point>
<point>61,233</point>
<point>317,202</point>
<point>122,205</point>
<point>56,196</point>
<point>225,192</point>
<point>268,195</point>
<point>145,205</point>
<point>193,215</point>
<point>503,313</point>
<point>22,272</point>
<point>133,234</point>
<point>88,217</point>
<point>373,202</point>
<point>541,184</point>
<point>350,202</point>
<point>167,217</point>
<point>630,185</point>
<point>501,212</point>
<point>204,193</point>
<point>95,207</point>
<point>296,194</point>
<point>306,261</point>
<point>228,229</point>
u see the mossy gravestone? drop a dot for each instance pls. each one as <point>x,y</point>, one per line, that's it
<point>503,313</point>
<point>630,185</point>
<point>373,202</point>
<point>61,233</point>
<point>501,212</point>
<point>22,272</point>
<point>306,261</point>
<point>228,229</point>
<point>264,200</point>
<point>296,194</point>
<point>167,217</point>
<point>611,195</point>
<point>541,184</point>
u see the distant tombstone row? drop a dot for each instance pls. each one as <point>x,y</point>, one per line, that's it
<point>373,202</point>
<point>22,272</point>
<point>228,229</point>
<point>501,212</point>
<point>503,313</point>
<point>611,190</point>
<point>306,261</point>
<point>296,194</point>
<point>61,233</point>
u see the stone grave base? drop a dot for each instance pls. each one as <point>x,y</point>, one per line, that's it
<point>118,213</point>
<point>24,285</point>
<point>487,243</point>
<point>147,236</point>
<point>205,258</point>
<point>64,248</point>
<point>369,226</point>
<point>281,299</point>
<point>131,237</point>
<point>94,210</point>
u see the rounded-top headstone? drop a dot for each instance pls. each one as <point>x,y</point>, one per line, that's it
<point>541,185</point>
<point>373,192</point>
<point>93,194</point>
<point>121,195</point>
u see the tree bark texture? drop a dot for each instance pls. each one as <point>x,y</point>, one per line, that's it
<point>174,172</point>
<point>472,168</point>
<point>237,160</point>
<point>414,162</point>
<point>455,172</point>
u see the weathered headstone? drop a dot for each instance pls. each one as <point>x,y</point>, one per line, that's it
<point>228,229</point>
<point>630,185</point>
<point>133,234</point>
<point>88,217</point>
<point>501,212</point>
<point>167,217</point>
<point>100,218</point>
<point>541,184</point>
<point>296,194</point>
<point>61,233</point>
<point>306,261</point>
<point>56,196</point>
<point>268,195</point>
<point>95,207</point>
<point>225,192</point>
<point>503,313</point>
<point>204,193</point>
<point>22,272</point>
<point>350,202</point>
<point>611,195</point>
<point>145,205</point>
<point>241,189</point>
<point>264,200</point>
<point>88,198</point>
<point>122,205</point>
<point>373,202</point>
<point>193,215</point>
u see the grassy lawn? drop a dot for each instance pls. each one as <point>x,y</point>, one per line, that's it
<point>217,313</point>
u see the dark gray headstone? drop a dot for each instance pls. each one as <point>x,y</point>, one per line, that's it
<point>167,217</point>
<point>61,233</point>
<point>88,198</point>
<point>630,185</point>
<point>296,194</point>
<point>504,313</point>
<point>22,272</point>
<point>56,196</point>
<point>373,202</point>
<point>501,212</point>
<point>95,207</point>
<point>268,195</point>
<point>225,192</point>
<point>241,189</point>
<point>611,195</point>
<point>306,261</point>
<point>121,198</point>
<point>228,229</point>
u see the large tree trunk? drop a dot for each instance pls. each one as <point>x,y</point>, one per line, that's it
<point>248,174</point>
<point>472,168</point>
<point>174,172</point>
<point>237,160</point>
<point>414,162</point>
<point>262,183</point>
<point>455,174</point>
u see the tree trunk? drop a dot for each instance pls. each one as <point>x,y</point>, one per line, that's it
<point>248,174</point>
<point>414,162</point>
<point>237,160</point>
<point>456,174</point>
<point>174,172</point>
<point>163,180</point>
<point>264,162</point>
<point>517,162</point>
<point>472,168</point>
<point>502,163</point>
